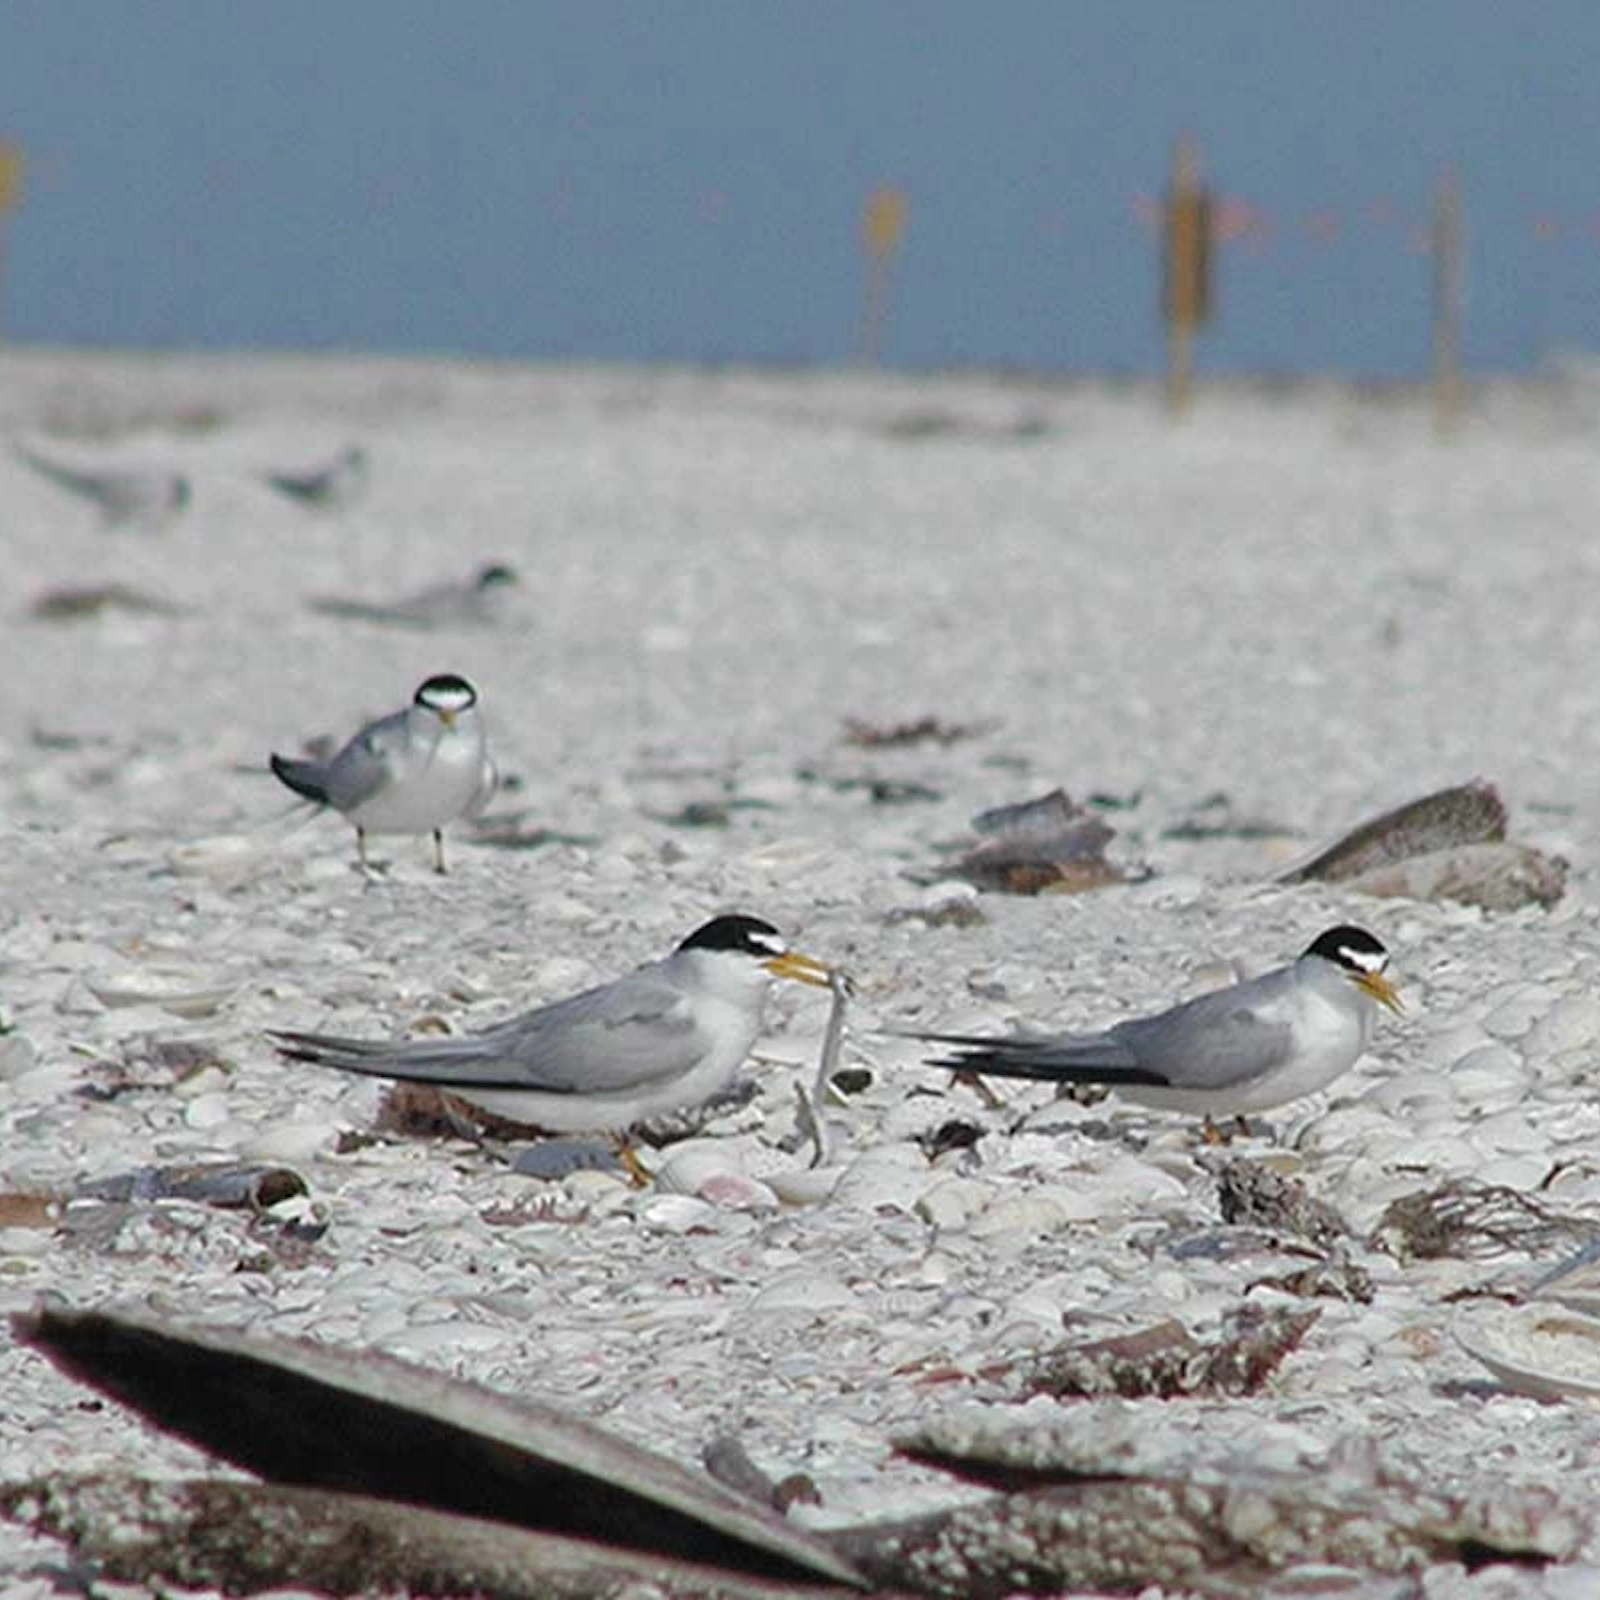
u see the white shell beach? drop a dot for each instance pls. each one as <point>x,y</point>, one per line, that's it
<point>1299,599</point>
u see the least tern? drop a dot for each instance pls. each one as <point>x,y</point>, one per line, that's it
<point>667,1036</point>
<point>1248,1047</point>
<point>474,601</point>
<point>329,485</point>
<point>147,496</point>
<point>410,772</point>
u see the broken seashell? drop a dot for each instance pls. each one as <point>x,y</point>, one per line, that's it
<point>227,1184</point>
<point>804,1187</point>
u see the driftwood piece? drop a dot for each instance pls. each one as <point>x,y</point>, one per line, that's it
<point>308,1416</point>
<point>1449,845</point>
<point>1222,1539</point>
<point>1099,1504</point>
<point>242,1538</point>
<point>1469,813</point>
<point>1494,877</point>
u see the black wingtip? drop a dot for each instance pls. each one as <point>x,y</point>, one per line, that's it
<point>299,776</point>
<point>293,1046</point>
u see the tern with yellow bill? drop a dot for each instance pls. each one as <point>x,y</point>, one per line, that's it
<point>666,1037</point>
<point>1245,1048</point>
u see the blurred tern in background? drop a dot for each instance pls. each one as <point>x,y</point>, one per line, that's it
<point>332,485</point>
<point>128,494</point>
<point>478,600</point>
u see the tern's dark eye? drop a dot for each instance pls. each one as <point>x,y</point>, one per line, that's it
<point>446,692</point>
<point>750,935</point>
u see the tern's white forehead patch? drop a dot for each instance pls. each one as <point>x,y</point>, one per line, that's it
<point>770,943</point>
<point>1363,957</point>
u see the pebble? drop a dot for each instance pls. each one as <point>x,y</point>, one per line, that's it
<point>893,1176</point>
<point>207,1111</point>
<point>18,1056</point>
<point>678,1213</point>
<point>1037,1210</point>
<point>1516,1008</point>
<point>806,1291</point>
<point>954,1202</point>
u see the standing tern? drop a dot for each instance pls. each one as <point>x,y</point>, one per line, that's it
<point>410,772</point>
<point>1248,1047</point>
<point>665,1037</point>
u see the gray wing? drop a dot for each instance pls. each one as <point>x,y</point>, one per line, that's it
<point>637,1030</point>
<point>440,602</point>
<point>368,762</point>
<point>1212,1042</point>
<point>332,605</point>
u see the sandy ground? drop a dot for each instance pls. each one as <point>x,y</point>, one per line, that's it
<point>1300,600</point>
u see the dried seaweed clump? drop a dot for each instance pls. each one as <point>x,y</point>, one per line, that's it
<point>1251,1194</point>
<point>1049,845</point>
<point>1470,1221</point>
<point>1166,1362</point>
<point>928,729</point>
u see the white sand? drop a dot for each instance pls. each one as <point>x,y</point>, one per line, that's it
<point>1301,599</point>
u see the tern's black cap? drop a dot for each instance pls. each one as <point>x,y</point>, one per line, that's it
<point>749,935</point>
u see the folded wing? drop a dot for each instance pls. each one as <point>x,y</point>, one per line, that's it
<point>605,1041</point>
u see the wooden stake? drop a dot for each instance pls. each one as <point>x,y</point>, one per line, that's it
<point>1186,262</point>
<point>1447,252</point>
<point>883,225</point>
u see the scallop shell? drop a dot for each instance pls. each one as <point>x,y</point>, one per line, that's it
<point>691,1164</point>
<point>1573,1283</point>
<point>1543,1351</point>
<point>173,991</point>
<point>224,856</point>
